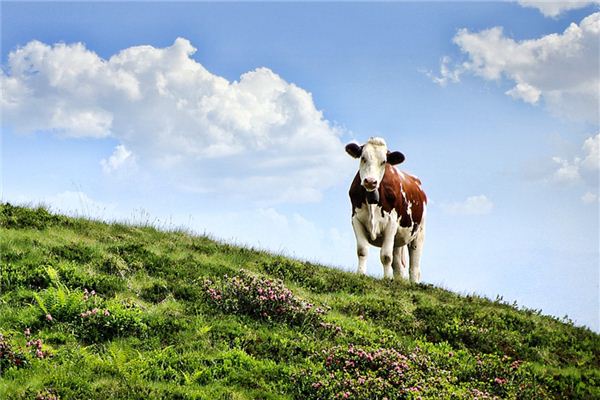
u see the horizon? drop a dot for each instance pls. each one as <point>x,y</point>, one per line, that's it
<point>230,119</point>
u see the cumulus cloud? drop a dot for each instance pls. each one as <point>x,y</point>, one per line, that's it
<point>555,8</point>
<point>583,168</point>
<point>560,69</point>
<point>473,205</point>
<point>589,198</point>
<point>170,113</point>
<point>121,158</point>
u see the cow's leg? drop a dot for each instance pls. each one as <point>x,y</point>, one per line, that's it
<point>387,249</point>
<point>414,253</point>
<point>399,263</point>
<point>362,245</point>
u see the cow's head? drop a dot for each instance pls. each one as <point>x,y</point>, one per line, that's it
<point>373,156</point>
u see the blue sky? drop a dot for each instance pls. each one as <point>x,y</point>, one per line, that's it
<point>493,105</point>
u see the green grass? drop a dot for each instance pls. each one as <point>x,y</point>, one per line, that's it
<point>176,316</point>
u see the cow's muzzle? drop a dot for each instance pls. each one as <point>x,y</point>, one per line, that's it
<point>370,184</point>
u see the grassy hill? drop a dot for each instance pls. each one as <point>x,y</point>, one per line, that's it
<point>90,310</point>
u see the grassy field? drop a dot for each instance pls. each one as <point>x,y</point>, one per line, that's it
<point>90,310</point>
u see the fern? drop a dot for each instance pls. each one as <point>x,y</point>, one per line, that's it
<point>40,302</point>
<point>53,275</point>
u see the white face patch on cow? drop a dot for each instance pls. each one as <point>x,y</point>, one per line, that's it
<point>372,163</point>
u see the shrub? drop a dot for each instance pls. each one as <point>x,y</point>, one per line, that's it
<point>76,252</point>
<point>76,277</point>
<point>30,276</point>
<point>91,317</point>
<point>9,357</point>
<point>15,217</point>
<point>261,298</point>
<point>156,292</point>
<point>362,374</point>
<point>431,371</point>
<point>17,357</point>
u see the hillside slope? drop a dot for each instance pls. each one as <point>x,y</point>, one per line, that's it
<point>95,310</point>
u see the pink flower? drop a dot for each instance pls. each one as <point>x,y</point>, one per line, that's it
<point>49,317</point>
<point>106,313</point>
<point>500,381</point>
<point>27,332</point>
<point>94,311</point>
<point>39,354</point>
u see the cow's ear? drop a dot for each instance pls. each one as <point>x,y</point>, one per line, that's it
<point>395,157</point>
<point>354,150</point>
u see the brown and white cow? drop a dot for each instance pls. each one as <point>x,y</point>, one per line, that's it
<point>388,209</point>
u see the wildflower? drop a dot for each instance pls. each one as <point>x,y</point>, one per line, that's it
<point>515,364</point>
<point>39,354</point>
<point>27,332</point>
<point>94,311</point>
<point>500,381</point>
<point>49,317</point>
<point>106,313</point>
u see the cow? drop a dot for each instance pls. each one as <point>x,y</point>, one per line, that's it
<point>388,210</point>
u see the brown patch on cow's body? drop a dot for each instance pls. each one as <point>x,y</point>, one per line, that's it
<point>399,191</point>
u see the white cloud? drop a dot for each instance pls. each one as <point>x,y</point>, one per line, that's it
<point>259,134</point>
<point>121,158</point>
<point>447,73</point>
<point>584,167</point>
<point>554,8</point>
<point>591,150</point>
<point>562,69</point>
<point>589,198</point>
<point>568,172</point>
<point>525,92</point>
<point>473,205</point>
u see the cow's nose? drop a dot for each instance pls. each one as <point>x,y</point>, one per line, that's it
<point>370,183</point>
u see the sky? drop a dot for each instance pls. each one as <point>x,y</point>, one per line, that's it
<point>230,119</point>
